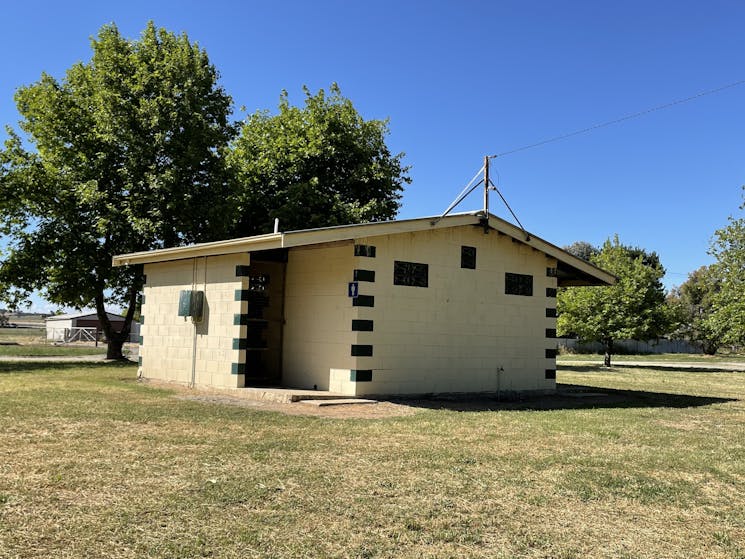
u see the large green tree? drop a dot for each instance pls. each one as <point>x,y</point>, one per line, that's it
<point>632,308</point>
<point>317,165</point>
<point>728,313</point>
<point>123,154</point>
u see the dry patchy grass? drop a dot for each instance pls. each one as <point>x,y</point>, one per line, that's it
<point>94,464</point>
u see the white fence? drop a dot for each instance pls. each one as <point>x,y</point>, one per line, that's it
<point>80,334</point>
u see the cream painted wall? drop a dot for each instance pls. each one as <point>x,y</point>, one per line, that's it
<point>318,315</point>
<point>171,344</point>
<point>460,334</point>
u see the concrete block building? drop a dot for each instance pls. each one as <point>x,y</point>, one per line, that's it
<point>465,304</point>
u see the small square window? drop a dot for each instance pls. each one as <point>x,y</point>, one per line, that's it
<point>468,257</point>
<point>411,274</point>
<point>518,284</point>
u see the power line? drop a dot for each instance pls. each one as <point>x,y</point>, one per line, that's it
<point>617,120</point>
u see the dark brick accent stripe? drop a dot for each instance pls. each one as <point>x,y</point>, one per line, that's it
<point>550,332</point>
<point>364,301</point>
<point>360,375</point>
<point>140,340</point>
<point>362,325</point>
<point>240,343</point>
<point>362,350</point>
<point>550,374</point>
<point>142,300</point>
<point>364,275</point>
<point>550,354</point>
<point>551,292</point>
<point>244,319</point>
<point>364,250</point>
<point>243,270</point>
<point>139,361</point>
<point>142,319</point>
<point>238,368</point>
<point>551,313</point>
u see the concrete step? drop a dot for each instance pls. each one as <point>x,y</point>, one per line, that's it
<point>287,395</point>
<point>338,402</point>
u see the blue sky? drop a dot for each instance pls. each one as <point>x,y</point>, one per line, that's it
<point>460,80</point>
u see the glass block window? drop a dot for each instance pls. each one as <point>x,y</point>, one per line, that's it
<point>258,282</point>
<point>411,274</point>
<point>518,284</point>
<point>468,257</point>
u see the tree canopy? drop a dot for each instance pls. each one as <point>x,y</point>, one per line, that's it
<point>727,318</point>
<point>317,165</point>
<point>691,306</point>
<point>632,308</point>
<point>123,154</point>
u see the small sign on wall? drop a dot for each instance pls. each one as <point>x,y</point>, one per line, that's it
<point>353,289</point>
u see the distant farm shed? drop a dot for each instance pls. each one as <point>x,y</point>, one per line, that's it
<point>462,304</point>
<point>67,327</point>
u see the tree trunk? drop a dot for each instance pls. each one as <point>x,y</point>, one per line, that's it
<point>116,343</point>
<point>608,352</point>
<point>116,339</point>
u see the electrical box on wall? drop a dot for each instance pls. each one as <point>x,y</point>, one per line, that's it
<point>191,303</point>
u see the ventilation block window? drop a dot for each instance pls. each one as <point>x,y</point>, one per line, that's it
<point>411,274</point>
<point>364,250</point>
<point>468,257</point>
<point>518,284</point>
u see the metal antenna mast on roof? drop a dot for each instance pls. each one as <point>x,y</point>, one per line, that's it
<point>488,185</point>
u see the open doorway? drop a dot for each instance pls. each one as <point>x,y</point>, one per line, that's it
<point>265,318</point>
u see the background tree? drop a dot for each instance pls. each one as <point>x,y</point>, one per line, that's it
<point>632,308</point>
<point>582,249</point>
<point>122,155</point>
<point>317,165</point>
<point>691,306</point>
<point>728,303</point>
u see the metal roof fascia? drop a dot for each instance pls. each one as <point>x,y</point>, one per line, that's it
<point>231,246</point>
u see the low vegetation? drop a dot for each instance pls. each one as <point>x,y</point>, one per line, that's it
<point>95,464</point>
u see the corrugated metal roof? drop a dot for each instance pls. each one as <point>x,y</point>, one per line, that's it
<point>112,316</point>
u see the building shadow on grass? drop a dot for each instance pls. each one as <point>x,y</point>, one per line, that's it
<point>567,397</point>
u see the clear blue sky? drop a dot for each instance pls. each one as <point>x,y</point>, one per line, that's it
<point>460,80</point>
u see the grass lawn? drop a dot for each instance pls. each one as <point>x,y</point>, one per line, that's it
<point>665,357</point>
<point>95,464</point>
<point>31,342</point>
